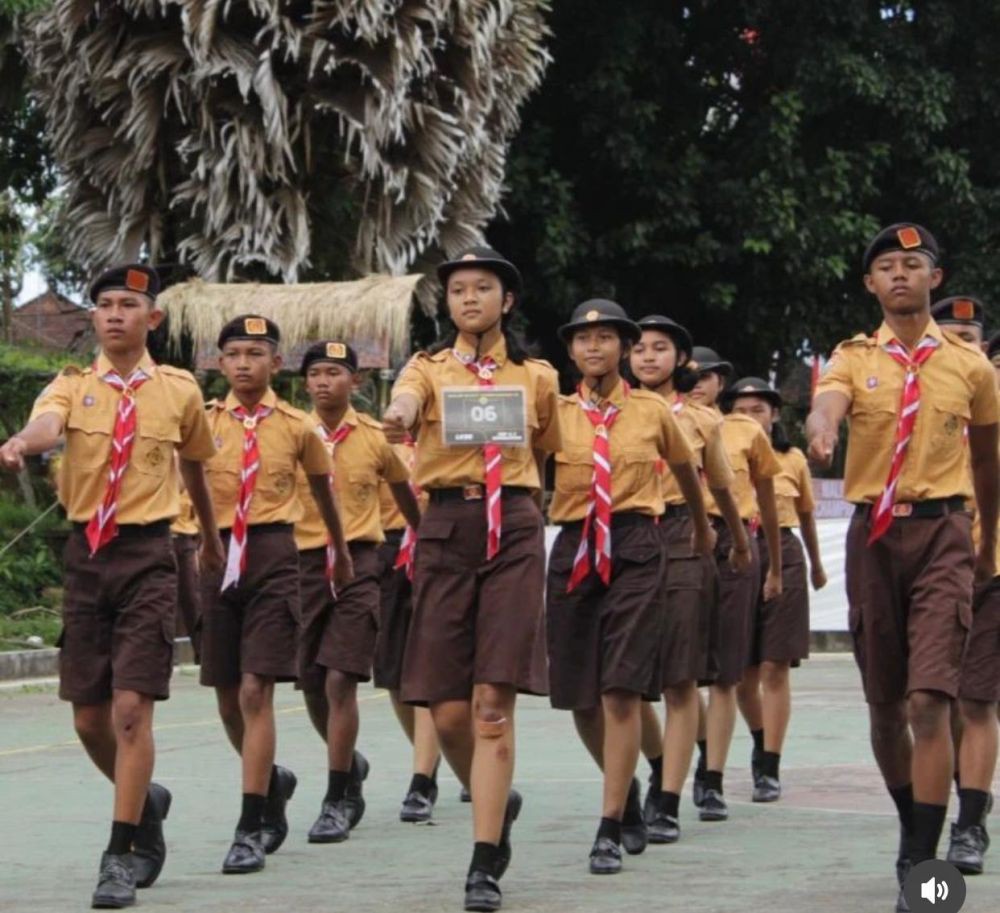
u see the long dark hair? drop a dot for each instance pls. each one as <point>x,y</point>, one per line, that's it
<point>517,349</point>
<point>779,438</point>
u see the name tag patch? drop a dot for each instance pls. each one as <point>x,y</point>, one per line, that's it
<point>473,416</point>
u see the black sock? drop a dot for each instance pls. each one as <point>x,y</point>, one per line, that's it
<point>422,784</point>
<point>958,780</point>
<point>484,858</point>
<point>669,804</point>
<point>928,822</point>
<point>702,748</point>
<point>769,763</point>
<point>434,772</point>
<point>253,811</point>
<point>758,739</point>
<point>903,797</point>
<point>713,780</point>
<point>655,772</point>
<point>336,785</point>
<point>972,807</point>
<point>122,835</point>
<point>611,829</point>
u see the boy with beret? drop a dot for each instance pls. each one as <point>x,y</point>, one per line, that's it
<point>975,726</point>
<point>912,393</point>
<point>250,612</point>
<point>338,634</point>
<point>123,420</point>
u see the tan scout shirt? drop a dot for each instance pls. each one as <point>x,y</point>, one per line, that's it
<point>392,516</point>
<point>286,440</point>
<point>751,457</point>
<point>361,461</point>
<point>957,389</point>
<point>793,488</point>
<point>170,418</point>
<point>703,428</point>
<point>644,433</point>
<point>439,466</point>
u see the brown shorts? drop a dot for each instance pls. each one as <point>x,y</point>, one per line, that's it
<point>118,616</point>
<point>253,627</point>
<point>188,593</point>
<point>339,633</point>
<point>476,621</point>
<point>781,626</point>
<point>606,638</point>
<point>729,647</point>
<point>910,598</point>
<point>980,679</point>
<point>690,596</point>
<point>395,613</point>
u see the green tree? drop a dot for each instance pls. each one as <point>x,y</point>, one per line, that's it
<point>725,163</point>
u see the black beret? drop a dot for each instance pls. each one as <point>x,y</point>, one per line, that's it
<point>250,327</point>
<point>681,337</point>
<point>753,386</point>
<point>337,353</point>
<point>962,309</point>
<point>704,359</point>
<point>598,311</point>
<point>993,346</point>
<point>130,277</point>
<point>901,236</point>
<point>483,258</point>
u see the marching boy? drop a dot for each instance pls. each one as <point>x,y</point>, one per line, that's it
<point>250,612</point>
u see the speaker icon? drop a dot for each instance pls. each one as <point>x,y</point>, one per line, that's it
<point>933,890</point>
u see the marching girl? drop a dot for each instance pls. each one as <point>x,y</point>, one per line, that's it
<point>659,362</point>
<point>753,461</point>
<point>781,626</point>
<point>605,583</point>
<point>479,567</point>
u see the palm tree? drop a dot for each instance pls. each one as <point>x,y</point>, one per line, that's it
<point>267,137</point>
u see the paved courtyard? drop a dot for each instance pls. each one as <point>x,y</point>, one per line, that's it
<point>828,846</point>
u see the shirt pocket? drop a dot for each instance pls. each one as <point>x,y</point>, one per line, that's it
<point>950,417</point>
<point>358,485</point>
<point>88,437</point>
<point>276,480</point>
<point>874,417</point>
<point>156,440</point>
<point>640,470</point>
<point>574,471</point>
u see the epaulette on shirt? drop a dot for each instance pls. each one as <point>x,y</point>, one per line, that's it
<point>171,371</point>
<point>541,362</point>
<point>365,419</point>
<point>291,410</point>
<point>73,371</point>
<point>215,404</point>
<point>963,343</point>
<point>861,339</point>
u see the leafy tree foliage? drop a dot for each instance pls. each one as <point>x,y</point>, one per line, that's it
<point>725,163</point>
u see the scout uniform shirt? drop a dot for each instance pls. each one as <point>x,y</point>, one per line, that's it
<point>793,488</point>
<point>957,388</point>
<point>361,461</point>
<point>439,466</point>
<point>392,516</point>
<point>703,429</point>
<point>170,416</point>
<point>751,457</point>
<point>286,439</point>
<point>644,433</point>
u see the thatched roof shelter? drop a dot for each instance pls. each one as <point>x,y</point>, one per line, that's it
<point>372,314</point>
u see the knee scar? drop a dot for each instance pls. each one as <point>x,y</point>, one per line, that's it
<point>492,729</point>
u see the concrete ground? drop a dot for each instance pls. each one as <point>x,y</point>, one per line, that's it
<point>828,846</point>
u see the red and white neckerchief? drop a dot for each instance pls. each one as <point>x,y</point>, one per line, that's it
<point>236,558</point>
<point>484,370</point>
<point>599,504</point>
<point>882,513</point>
<point>332,439</point>
<point>408,544</point>
<point>103,526</point>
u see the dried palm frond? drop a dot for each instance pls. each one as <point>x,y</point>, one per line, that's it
<point>201,129</point>
<point>373,308</point>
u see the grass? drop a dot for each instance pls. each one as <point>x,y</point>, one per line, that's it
<point>15,630</point>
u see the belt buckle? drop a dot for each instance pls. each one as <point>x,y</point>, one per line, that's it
<point>902,510</point>
<point>472,492</point>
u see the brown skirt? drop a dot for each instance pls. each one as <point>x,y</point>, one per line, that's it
<point>606,638</point>
<point>476,621</point>
<point>781,626</point>
<point>395,614</point>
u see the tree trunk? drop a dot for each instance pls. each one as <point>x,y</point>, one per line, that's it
<point>7,301</point>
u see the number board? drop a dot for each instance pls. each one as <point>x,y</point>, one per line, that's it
<point>473,416</point>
